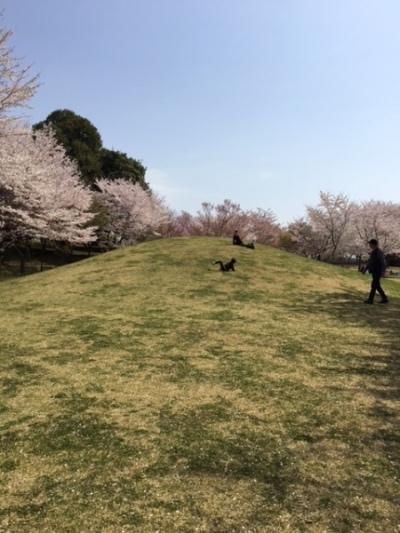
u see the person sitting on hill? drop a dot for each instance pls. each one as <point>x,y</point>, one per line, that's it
<point>237,241</point>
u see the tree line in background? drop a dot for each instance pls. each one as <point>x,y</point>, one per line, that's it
<point>338,229</point>
<point>222,220</point>
<point>335,230</point>
<point>59,187</point>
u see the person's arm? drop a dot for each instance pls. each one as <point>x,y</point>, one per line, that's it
<point>382,263</point>
<point>368,266</point>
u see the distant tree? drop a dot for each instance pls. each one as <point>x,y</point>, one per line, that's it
<point>17,85</point>
<point>287,241</point>
<point>83,143</point>
<point>80,139</point>
<point>306,240</point>
<point>338,228</point>
<point>41,194</point>
<point>330,221</point>
<point>133,214</point>
<point>117,165</point>
<point>183,224</point>
<point>261,226</point>
<point>377,220</point>
<point>221,220</point>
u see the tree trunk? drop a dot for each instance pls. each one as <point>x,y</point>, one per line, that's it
<point>43,251</point>
<point>22,260</point>
<point>24,255</point>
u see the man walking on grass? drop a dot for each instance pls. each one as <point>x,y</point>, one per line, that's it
<point>376,266</point>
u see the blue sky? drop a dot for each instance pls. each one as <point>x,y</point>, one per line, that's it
<point>266,102</point>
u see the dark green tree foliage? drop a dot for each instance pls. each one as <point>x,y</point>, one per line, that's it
<point>83,143</point>
<point>80,139</point>
<point>115,164</point>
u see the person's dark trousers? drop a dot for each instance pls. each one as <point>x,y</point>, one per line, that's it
<point>376,286</point>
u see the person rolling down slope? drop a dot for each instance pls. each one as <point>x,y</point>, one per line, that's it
<point>226,267</point>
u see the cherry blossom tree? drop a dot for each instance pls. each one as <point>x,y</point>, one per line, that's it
<point>307,241</point>
<point>261,226</point>
<point>183,224</point>
<point>377,220</point>
<point>133,214</point>
<point>221,220</point>
<point>330,222</point>
<point>41,195</point>
<point>338,228</point>
<point>17,84</point>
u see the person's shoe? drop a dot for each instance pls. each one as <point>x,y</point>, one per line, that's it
<point>370,302</point>
<point>385,301</point>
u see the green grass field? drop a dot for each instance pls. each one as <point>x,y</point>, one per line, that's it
<point>143,390</point>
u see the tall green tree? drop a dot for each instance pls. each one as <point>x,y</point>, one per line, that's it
<point>115,164</point>
<point>83,143</point>
<point>80,139</point>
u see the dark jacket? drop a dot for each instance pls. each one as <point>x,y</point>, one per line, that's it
<point>237,240</point>
<point>377,263</point>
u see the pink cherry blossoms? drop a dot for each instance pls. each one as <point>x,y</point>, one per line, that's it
<point>132,213</point>
<point>41,196</point>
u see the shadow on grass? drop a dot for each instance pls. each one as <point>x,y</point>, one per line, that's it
<point>201,441</point>
<point>380,371</point>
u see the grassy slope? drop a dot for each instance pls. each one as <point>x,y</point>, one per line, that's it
<point>143,390</point>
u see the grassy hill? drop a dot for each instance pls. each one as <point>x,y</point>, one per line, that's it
<point>143,390</point>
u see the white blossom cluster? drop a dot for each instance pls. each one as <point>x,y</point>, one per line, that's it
<point>337,227</point>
